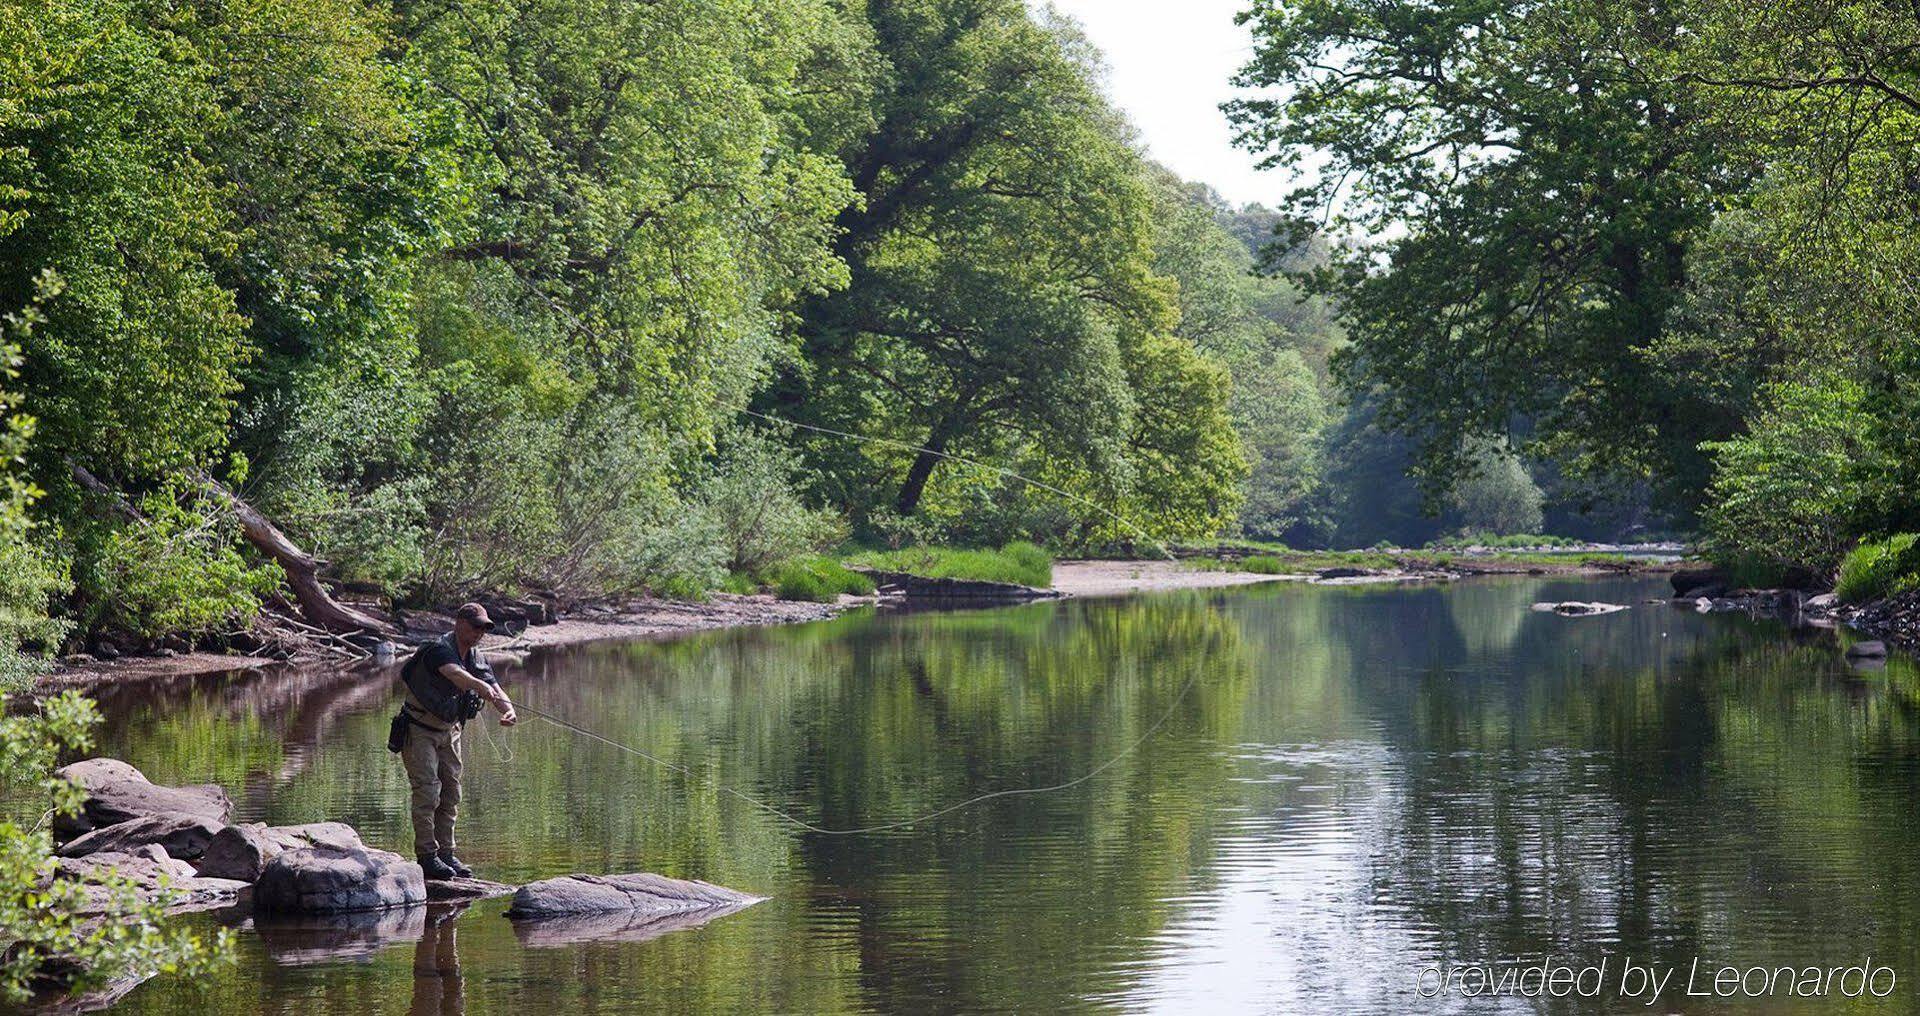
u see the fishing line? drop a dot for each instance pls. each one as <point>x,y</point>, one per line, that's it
<point>886,826</point>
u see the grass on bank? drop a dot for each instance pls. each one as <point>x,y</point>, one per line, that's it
<point>1019,562</point>
<point>818,579</point>
<point>1878,569</point>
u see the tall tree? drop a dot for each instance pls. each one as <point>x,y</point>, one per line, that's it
<point>1532,176</point>
<point>999,255</point>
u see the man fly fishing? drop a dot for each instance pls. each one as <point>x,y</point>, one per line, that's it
<point>447,682</point>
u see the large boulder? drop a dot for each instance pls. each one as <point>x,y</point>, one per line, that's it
<point>639,894</point>
<point>337,880</point>
<point>242,851</point>
<point>182,835</point>
<point>117,792</point>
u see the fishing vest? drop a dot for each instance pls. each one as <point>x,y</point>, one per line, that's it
<point>441,697</point>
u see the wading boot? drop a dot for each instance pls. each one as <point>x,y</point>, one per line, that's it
<point>460,870</point>
<point>435,869</point>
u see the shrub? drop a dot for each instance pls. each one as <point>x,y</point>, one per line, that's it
<point>29,574</point>
<point>179,569</point>
<point>87,936</point>
<point>1879,569</point>
<point>750,501</point>
<point>1790,491</point>
<point>1499,496</point>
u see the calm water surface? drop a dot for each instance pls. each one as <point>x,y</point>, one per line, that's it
<point>1349,784</point>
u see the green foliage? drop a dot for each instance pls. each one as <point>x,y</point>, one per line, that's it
<point>103,182</point>
<point>1879,569</point>
<point>749,500</point>
<point>820,579</point>
<point>1792,490</point>
<point>647,190</point>
<point>1499,496</point>
<point>1458,133</point>
<point>44,921</point>
<point>30,574</point>
<point>1019,562</point>
<point>178,569</point>
<point>1263,332</point>
<point>1004,304</point>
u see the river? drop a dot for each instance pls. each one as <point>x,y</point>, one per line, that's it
<point>1334,789</point>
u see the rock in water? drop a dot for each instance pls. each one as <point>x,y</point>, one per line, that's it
<point>465,890</point>
<point>182,835</point>
<point>624,908</point>
<point>337,880</point>
<point>1867,650</point>
<point>1343,572</point>
<point>643,892</point>
<point>1575,608</point>
<point>242,851</point>
<point>117,792</point>
<point>147,874</point>
<point>1687,582</point>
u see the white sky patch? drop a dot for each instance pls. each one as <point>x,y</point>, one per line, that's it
<point>1171,62</point>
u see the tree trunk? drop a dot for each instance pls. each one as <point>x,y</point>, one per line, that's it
<point>917,476</point>
<point>303,571</point>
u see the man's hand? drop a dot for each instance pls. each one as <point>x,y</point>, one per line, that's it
<point>505,705</point>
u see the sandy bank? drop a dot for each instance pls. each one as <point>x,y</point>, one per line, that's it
<point>1119,578</point>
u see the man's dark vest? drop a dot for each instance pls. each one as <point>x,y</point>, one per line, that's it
<point>438,694</point>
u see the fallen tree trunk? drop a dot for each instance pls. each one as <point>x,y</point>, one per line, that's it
<point>302,569</point>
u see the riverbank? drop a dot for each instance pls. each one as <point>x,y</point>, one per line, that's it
<point>636,619</point>
<point>647,618</point>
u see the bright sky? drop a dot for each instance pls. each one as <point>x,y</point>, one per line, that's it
<point>1171,61</point>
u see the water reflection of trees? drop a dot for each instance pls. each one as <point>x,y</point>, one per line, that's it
<point>1707,788</point>
<point>1654,782</point>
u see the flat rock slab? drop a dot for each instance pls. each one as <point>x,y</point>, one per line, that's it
<point>1867,651</point>
<point>335,880</point>
<point>465,890</point>
<point>616,908</point>
<point>242,851</point>
<point>641,894</point>
<point>632,926</point>
<point>117,792</point>
<point>183,835</point>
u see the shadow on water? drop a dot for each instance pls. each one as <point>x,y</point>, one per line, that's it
<point>1356,782</point>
